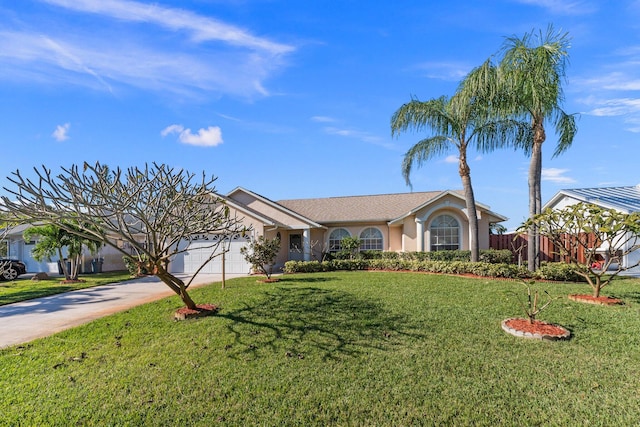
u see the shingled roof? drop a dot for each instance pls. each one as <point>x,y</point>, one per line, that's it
<point>626,199</point>
<point>375,208</point>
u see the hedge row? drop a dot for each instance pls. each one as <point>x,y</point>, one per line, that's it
<point>493,256</point>
<point>548,271</point>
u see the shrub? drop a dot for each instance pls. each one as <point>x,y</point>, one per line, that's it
<point>559,271</point>
<point>306,266</point>
<point>548,271</point>
<point>134,267</point>
<point>495,256</point>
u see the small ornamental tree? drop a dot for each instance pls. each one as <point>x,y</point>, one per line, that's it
<point>151,214</point>
<point>350,246</point>
<point>604,237</point>
<point>261,254</point>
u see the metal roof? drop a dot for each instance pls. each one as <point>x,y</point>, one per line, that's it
<point>621,198</point>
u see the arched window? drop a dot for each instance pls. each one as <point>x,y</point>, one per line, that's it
<point>445,233</point>
<point>371,239</point>
<point>335,239</point>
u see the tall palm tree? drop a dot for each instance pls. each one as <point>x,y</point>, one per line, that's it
<point>456,123</point>
<point>530,76</point>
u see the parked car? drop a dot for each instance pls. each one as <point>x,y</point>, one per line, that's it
<point>10,269</point>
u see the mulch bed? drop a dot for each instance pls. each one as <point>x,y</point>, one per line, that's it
<point>201,310</point>
<point>590,299</point>
<point>537,330</point>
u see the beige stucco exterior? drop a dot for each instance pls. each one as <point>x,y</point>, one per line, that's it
<point>304,238</point>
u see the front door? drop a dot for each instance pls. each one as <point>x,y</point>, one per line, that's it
<point>296,252</point>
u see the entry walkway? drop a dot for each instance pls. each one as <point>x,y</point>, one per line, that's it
<point>25,321</point>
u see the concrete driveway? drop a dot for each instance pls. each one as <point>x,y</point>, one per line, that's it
<point>25,321</point>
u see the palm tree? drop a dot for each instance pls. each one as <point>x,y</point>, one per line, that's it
<point>456,123</point>
<point>530,77</point>
<point>52,239</point>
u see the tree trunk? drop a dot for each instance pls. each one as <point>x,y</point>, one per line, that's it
<point>465,175</point>
<point>535,194</point>
<point>63,265</point>
<point>176,285</point>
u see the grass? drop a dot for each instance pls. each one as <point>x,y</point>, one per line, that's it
<point>26,289</point>
<point>348,348</point>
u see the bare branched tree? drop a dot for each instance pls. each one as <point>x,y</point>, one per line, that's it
<point>150,214</point>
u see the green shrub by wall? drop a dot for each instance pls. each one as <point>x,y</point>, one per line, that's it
<point>548,271</point>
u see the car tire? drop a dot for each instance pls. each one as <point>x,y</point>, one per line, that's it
<point>10,274</point>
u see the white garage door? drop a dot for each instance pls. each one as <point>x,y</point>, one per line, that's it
<point>198,253</point>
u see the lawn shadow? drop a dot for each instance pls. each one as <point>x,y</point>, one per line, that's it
<point>282,279</point>
<point>330,323</point>
<point>630,296</point>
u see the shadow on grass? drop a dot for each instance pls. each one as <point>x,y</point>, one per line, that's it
<point>630,297</point>
<point>306,321</point>
<point>305,279</point>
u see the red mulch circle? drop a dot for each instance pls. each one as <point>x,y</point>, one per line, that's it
<point>267,280</point>
<point>538,329</point>
<point>590,299</point>
<point>201,310</point>
<point>72,281</point>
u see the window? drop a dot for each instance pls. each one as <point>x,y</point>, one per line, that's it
<point>445,233</point>
<point>371,239</point>
<point>335,239</point>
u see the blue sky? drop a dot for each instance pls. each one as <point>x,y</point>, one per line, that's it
<point>293,99</point>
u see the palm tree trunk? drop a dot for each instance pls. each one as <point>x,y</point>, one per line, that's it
<point>535,194</point>
<point>465,175</point>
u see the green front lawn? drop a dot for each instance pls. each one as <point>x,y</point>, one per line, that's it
<point>348,348</point>
<point>23,289</point>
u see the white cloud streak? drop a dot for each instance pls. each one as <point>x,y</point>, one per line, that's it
<point>563,7</point>
<point>556,175</point>
<point>448,71</point>
<point>198,56</point>
<point>360,135</point>
<point>201,28</point>
<point>61,133</point>
<point>209,137</point>
<point>451,159</point>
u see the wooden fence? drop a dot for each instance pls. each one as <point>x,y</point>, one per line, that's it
<point>517,244</point>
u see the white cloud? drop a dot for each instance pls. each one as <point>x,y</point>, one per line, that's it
<point>556,175</point>
<point>171,129</point>
<point>451,159</point>
<point>209,137</point>
<point>360,135</point>
<point>176,52</point>
<point>200,27</point>
<point>564,7</point>
<point>323,119</point>
<point>449,71</point>
<point>61,132</point>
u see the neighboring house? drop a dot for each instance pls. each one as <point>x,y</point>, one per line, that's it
<point>18,248</point>
<point>622,199</point>
<point>405,222</point>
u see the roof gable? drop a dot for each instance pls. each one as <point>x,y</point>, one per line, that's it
<point>625,199</point>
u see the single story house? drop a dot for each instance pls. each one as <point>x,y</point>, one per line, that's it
<point>404,222</point>
<point>623,199</point>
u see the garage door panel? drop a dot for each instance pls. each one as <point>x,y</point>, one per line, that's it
<point>199,251</point>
